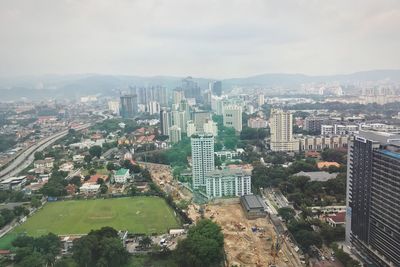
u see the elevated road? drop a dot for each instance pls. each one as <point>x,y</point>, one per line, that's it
<point>27,157</point>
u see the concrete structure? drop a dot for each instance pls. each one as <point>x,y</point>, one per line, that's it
<point>253,206</point>
<point>113,106</point>
<point>216,88</point>
<point>13,183</point>
<point>202,158</point>
<point>190,129</point>
<point>319,143</point>
<point>129,106</point>
<point>281,124</point>
<point>121,176</point>
<point>320,176</point>
<point>313,124</point>
<point>373,193</point>
<point>232,116</point>
<point>261,100</point>
<point>89,188</point>
<point>227,154</point>
<point>165,122</point>
<point>257,123</point>
<point>210,127</point>
<point>199,118</point>
<point>153,107</point>
<point>228,183</point>
<point>175,134</point>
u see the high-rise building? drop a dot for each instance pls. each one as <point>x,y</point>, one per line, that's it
<point>113,106</point>
<point>216,88</point>
<point>153,107</point>
<point>232,116</point>
<point>191,89</point>
<point>199,118</point>
<point>210,127</point>
<point>281,124</point>
<point>152,93</point>
<point>217,105</point>
<point>129,106</point>
<point>202,158</point>
<point>177,96</point>
<point>257,123</point>
<point>165,122</point>
<point>175,134</point>
<point>373,194</point>
<point>313,124</point>
<point>190,129</point>
<point>261,100</point>
<point>228,183</point>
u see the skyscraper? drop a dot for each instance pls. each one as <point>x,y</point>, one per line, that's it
<point>281,124</point>
<point>232,116</point>
<point>175,134</point>
<point>199,118</point>
<point>202,158</point>
<point>165,122</point>
<point>373,194</point>
<point>216,88</point>
<point>191,89</point>
<point>129,106</point>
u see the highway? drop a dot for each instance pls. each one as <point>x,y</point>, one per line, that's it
<point>27,157</point>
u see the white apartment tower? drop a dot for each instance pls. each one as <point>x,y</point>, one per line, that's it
<point>190,129</point>
<point>232,115</point>
<point>210,127</point>
<point>281,123</point>
<point>202,158</point>
<point>175,134</point>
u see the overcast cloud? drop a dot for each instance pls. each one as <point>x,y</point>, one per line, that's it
<point>221,39</point>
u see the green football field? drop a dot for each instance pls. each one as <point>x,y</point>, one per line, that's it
<point>137,215</point>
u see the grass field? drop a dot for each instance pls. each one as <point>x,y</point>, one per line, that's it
<point>137,215</point>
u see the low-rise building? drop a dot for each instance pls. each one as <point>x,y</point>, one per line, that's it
<point>336,219</point>
<point>89,188</point>
<point>13,183</point>
<point>226,154</point>
<point>121,176</point>
<point>46,163</point>
<point>253,206</point>
<point>228,183</point>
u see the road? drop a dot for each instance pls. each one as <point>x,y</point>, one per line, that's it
<point>27,157</point>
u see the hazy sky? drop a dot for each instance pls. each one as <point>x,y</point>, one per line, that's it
<point>221,39</point>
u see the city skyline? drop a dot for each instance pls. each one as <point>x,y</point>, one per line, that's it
<point>205,39</point>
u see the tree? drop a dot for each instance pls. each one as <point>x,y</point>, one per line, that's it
<point>32,260</point>
<point>287,213</point>
<point>76,180</point>
<point>103,188</point>
<point>133,191</point>
<point>203,246</point>
<point>38,155</point>
<point>100,248</point>
<point>20,211</point>
<point>111,166</point>
<point>35,202</point>
<point>87,159</point>
<point>95,151</point>
<point>145,242</point>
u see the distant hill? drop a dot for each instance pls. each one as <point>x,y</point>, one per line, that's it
<point>72,86</point>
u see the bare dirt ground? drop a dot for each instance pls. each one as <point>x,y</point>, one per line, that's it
<point>244,247</point>
<point>162,176</point>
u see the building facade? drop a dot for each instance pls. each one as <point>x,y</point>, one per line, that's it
<point>232,116</point>
<point>129,106</point>
<point>175,134</point>
<point>202,158</point>
<point>373,193</point>
<point>228,183</point>
<point>281,125</point>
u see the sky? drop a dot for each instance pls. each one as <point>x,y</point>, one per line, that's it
<point>202,38</point>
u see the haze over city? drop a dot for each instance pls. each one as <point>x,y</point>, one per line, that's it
<point>214,39</point>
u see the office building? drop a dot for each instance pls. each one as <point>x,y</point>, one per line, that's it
<point>129,106</point>
<point>152,93</point>
<point>216,88</point>
<point>217,105</point>
<point>165,122</point>
<point>228,183</point>
<point>210,127</point>
<point>202,158</point>
<point>113,106</point>
<point>232,116</point>
<point>373,193</point>
<point>175,134</point>
<point>281,124</point>
<point>177,96</point>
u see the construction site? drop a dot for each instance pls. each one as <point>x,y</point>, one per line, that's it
<point>250,243</point>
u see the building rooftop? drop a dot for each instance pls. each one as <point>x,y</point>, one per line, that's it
<point>254,202</point>
<point>229,171</point>
<point>121,171</point>
<point>317,176</point>
<point>390,153</point>
<point>381,137</point>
